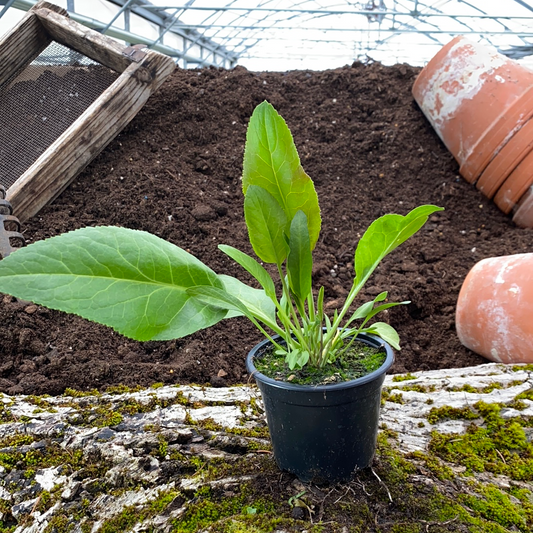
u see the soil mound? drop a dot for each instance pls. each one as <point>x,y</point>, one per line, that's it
<point>175,171</point>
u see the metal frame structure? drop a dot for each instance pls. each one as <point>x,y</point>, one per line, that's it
<point>223,33</point>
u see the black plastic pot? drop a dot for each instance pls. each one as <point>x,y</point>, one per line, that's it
<point>323,433</point>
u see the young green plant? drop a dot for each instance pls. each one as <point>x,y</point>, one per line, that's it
<point>148,289</point>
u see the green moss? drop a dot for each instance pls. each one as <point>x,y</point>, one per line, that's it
<point>210,425</point>
<point>360,360</point>
<point>436,414</point>
<point>210,508</point>
<point>398,469</point>
<point>132,515</point>
<point>477,390</point>
<point>499,446</point>
<point>396,398</point>
<point>403,377</point>
<point>519,368</point>
<point>19,439</point>
<point>5,414</point>
<point>526,395</point>
<point>80,394</point>
<point>494,505</point>
<point>519,405</point>
<point>434,465</point>
<point>424,389</point>
<point>122,389</point>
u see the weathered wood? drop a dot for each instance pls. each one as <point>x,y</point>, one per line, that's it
<point>21,46</point>
<point>88,135</point>
<point>90,43</point>
<point>24,42</point>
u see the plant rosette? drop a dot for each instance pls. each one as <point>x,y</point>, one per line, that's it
<point>149,289</point>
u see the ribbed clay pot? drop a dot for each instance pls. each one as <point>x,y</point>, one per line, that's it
<point>516,185</point>
<point>523,212</point>
<point>495,309</point>
<point>502,175</point>
<point>476,100</point>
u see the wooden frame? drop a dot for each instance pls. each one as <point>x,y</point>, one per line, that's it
<point>141,73</point>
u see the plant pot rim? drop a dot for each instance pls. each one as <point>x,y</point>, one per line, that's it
<point>373,340</point>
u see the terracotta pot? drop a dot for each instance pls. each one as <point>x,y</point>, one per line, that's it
<point>499,171</point>
<point>476,99</point>
<point>494,309</point>
<point>523,215</point>
<point>517,184</point>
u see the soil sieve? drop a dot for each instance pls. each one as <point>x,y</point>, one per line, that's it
<point>39,104</point>
<point>65,92</point>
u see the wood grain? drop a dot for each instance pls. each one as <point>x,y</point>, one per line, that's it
<point>90,43</point>
<point>88,135</point>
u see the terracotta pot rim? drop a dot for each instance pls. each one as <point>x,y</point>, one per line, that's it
<point>507,159</point>
<point>516,185</point>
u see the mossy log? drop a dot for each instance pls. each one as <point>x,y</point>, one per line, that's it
<point>455,453</point>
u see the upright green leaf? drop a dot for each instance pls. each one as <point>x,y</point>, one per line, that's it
<point>272,162</point>
<point>130,280</point>
<point>300,259</point>
<point>384,235</point>
<point>267,225</point>
<point>253,267</point>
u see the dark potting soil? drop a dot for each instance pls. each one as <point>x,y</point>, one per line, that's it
<point>359,360</point>
<point>175,171</point>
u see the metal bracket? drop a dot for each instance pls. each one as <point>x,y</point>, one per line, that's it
<point>135,52</point>
<point>9,226</point>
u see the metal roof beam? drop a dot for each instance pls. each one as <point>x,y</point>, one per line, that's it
<point>364,12</point>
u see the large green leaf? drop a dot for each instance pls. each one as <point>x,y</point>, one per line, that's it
<point>300,259</point>
<point>130,280</point>
<point>267,225</point>
<point>272,162</point>
<point>384,235</point>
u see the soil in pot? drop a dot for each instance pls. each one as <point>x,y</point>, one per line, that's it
<point>359,361</point>
<point>175,171</point>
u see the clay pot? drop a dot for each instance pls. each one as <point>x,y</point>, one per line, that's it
<point>523,214</point>
<point>494,309</point>
<point>476,99</point>
<point>498,173</point>
<point>516,185</point>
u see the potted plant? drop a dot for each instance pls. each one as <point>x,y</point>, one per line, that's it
<point>148,289</point>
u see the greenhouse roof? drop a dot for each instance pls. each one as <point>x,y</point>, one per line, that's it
<point>308,34</point>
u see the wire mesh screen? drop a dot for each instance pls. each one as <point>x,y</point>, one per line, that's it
<point>42,101</point>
